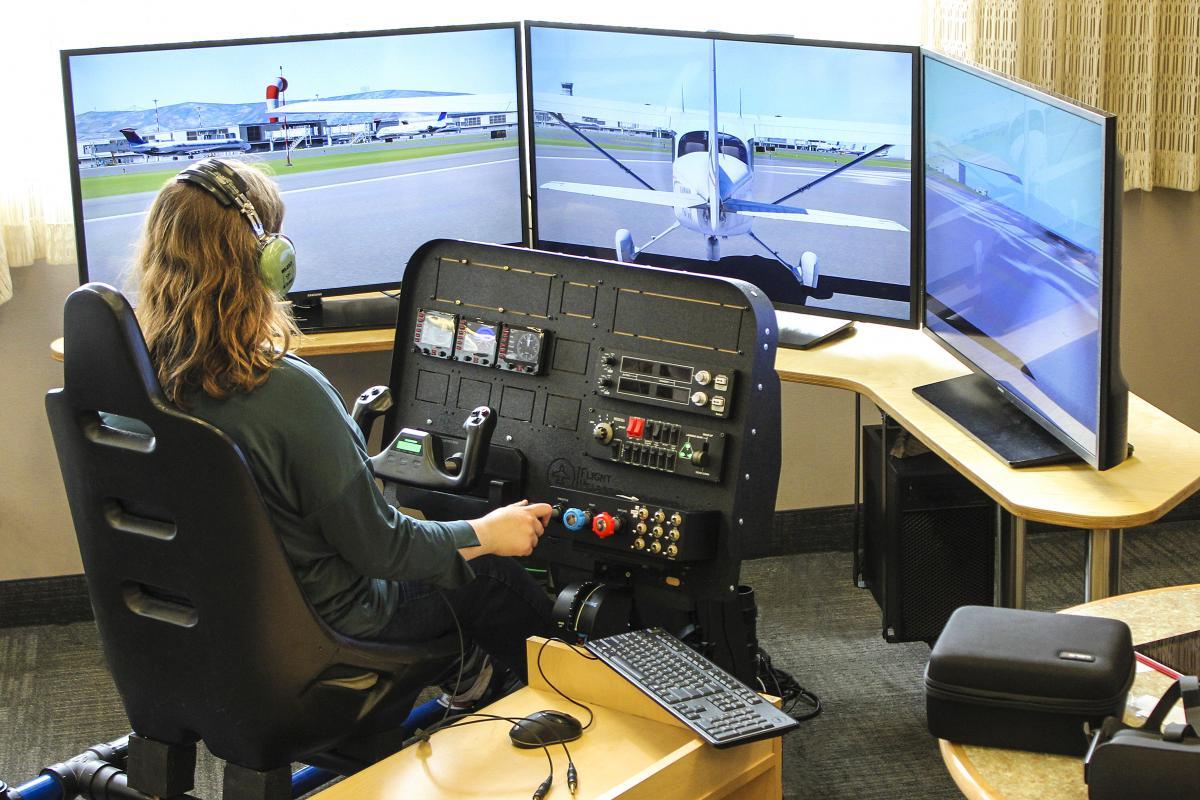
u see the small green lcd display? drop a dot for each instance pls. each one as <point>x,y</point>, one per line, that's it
<point>408,445</point>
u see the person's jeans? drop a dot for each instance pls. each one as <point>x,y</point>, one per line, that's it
<point>498,611</point>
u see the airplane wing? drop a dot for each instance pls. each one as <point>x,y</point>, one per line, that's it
<point>750,208</point>
<point>616,113</point>
<point>964,154</point>
<point>428,104</point>
<point>652,196</point>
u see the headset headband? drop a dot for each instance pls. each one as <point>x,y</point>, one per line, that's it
<point>223,183</point>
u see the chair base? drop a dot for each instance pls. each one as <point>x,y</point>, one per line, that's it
<point>243,783</point>
<point>160,769</point>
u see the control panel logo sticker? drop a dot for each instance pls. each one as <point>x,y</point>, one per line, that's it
<point>564,474</point>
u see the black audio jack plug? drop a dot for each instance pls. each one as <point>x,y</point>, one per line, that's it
<point>544,789</point>
<point>572,778</point>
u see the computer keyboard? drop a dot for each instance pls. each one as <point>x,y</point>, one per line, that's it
<point>701,695</point>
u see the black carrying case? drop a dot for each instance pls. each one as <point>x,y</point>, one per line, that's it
<point>1027,680</point>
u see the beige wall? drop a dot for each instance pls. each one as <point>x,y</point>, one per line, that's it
<point>1160,338</point>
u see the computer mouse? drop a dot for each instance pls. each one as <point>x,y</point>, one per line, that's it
<point>544,728</point>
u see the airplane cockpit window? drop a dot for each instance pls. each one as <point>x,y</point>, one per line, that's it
<point>693,142</point>
<point>697,142</point>
<point>732,146</point>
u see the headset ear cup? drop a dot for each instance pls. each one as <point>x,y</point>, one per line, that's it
<point>277,263</point>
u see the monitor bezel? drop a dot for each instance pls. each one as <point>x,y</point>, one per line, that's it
<point>917,147</point>
<point>308,295</point>
<point>1108,452</point>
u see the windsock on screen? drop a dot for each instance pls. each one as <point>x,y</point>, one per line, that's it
<point>275,95</point>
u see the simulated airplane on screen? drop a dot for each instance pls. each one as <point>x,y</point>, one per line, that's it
<point>415,127</point>
<point>712,186</point>
<point>139,145</point>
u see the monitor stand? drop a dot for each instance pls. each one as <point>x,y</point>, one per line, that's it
<point>337,314</point>
<point>802,331</point>
<point>975,404</point>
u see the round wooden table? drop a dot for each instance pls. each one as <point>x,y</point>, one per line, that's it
<point>988,773</point>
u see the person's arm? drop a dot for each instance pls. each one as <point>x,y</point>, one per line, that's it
<point>376,539</point>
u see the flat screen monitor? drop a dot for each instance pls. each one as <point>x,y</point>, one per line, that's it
<point>379,141</point>
<point>1022,250</point>
<point>808,193</point>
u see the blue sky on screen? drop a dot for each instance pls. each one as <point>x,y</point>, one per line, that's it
<point>786,79</point>
<point>450,61</point>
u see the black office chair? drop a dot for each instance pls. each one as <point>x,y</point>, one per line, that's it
<point>205,628</point>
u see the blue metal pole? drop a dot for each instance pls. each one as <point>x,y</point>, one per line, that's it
<point>43,787</point>
<point>305,779</point>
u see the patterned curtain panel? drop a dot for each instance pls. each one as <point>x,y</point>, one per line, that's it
<point>1139,59</point>
<point>35,225</point>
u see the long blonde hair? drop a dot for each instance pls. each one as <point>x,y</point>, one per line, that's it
<point>210,321</point>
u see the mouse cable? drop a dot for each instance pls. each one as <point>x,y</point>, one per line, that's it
<point>559,692</point>
<point>476,717</point>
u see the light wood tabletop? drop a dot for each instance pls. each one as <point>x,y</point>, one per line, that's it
<point>990,773</point>
<point>364,340</point>
<point>885,363</point>
<point>634,750</point>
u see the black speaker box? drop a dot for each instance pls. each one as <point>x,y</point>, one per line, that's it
<point>928,539</point>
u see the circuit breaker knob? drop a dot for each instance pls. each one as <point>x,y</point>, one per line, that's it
<point>699,399</point>
<point>576,519</point>
<point>603,433</point>
<point>703,377</point>
<point>605,524</point>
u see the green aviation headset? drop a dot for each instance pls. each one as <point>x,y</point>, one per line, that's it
<point>276,253</point>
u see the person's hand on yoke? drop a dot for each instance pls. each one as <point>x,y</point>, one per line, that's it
<point>510,530</point>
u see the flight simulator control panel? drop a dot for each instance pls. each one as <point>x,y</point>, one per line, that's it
<point>642,404</point>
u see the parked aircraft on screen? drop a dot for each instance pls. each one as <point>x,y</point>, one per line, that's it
<point>139,145</point>
<point>415,127</point>
<point>712,186</point>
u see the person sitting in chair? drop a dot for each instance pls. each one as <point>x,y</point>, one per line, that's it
<point>211,267</point>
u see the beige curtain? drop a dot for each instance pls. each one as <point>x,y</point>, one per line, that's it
<point>1139,59</point>
<point>34,226</point>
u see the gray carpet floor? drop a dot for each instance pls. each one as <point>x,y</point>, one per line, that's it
<point>57,699</point>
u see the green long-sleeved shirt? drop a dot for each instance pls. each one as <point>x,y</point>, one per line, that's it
<point>346,544</point>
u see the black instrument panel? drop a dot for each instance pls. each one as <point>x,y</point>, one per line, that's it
<point>618,388</point>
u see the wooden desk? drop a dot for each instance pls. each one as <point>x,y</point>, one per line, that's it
<point>885,363</point>
<point>633,750</point>
<point>372,340</point>
<point>988,773</point>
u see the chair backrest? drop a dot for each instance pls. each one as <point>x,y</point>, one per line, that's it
<point>205,628</point>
